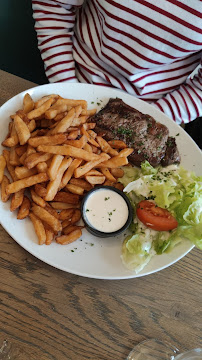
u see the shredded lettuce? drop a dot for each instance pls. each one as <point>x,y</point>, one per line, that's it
<point>173,188</point>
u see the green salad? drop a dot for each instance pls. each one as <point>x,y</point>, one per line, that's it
<point>172,188</point>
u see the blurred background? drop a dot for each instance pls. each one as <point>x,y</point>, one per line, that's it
<point>20,55</point>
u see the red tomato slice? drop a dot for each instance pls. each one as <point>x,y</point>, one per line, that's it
<point>155,217</point>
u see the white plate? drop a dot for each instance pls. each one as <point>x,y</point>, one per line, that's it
<point>93,257</point>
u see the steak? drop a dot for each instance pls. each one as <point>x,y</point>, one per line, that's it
<point>149,139</point>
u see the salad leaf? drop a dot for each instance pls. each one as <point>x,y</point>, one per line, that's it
<point>173,188</point>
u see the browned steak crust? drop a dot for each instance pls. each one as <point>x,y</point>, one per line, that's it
<point>149,138</point>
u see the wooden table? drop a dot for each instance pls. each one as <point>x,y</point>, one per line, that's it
<point>54,315</point>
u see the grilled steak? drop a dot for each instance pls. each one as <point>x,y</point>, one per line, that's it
<point>149,138</point>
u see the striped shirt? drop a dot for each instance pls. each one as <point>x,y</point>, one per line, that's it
<point>147,48</point>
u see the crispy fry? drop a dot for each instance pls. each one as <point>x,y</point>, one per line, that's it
<point>68,150</point>
<point>125,152</point>
<point>66,197</point>
<point>10,168</point>
<point>117,172</point>
<point>53,185</point>
<point>58,205</point>
<point>42,167</point>
<point>28,103</point>
<point>89,137</point>
<point>55,110</point>
<point>22,172</point>
<point>13,139</point>
<point>48,140</point>
<point>69,228</point>
<point>44,99</point>
<point>40,190</point>
<point>17,200</point>
<point>64,124</point>
<point>73,135</point>
<point>30,150</point>
<point>88,148</point>
<point>39,228</point>
<point>79,120</point>
<point>14,158</point>
<point>71,102</point>
<point>108,174</point>
<point>54,166</point>
<point>2,167</point>
<point>68,174</point>
<point>41,109</point>
<point>94,172</point>
<point>5,182</point>
<point>77,143</point>
<point>45,216</point>
<point>82,183</point>
<point>76,216</point>
<point>95,180</point>
<point>20,150</point>
<point>82,170</point>
<point>117,144</point>
<point>23,211</point>
<point>27,182</point>
<point>75,189</point>
<point>37,199</point>
<point>49,236</point>
<point>89,112</point>
<point>21,129</point>
<point>114,162</point>
<point>66,214</point>
<point>31,125</point>
<point>33,159</point>
<point>67,239</point>
<point>52,211</point>
<point>119,186</point>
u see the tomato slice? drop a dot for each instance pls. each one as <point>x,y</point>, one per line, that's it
<point>155,217</point>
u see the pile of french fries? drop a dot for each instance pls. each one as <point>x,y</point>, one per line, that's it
<point>53,158</point>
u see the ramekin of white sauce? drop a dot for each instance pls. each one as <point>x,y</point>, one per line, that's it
<point>106,211</point>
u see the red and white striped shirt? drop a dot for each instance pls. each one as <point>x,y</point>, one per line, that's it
<point>147,48</point>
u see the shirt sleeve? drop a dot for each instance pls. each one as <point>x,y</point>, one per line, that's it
<point>54,22</point>
<point>184,104</point>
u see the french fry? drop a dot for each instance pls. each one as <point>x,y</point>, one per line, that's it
<point>52,211</point>
<point>28,103</point>
<point>42,167</point>
<point>82,170</point>
<point>68,150</point>
<point>74,103</point>
<point>89,112</point>
<point>17,200</point>
<point>40,110</point>
<point>75,189</point>
<point>37,199</point>
<point>30,150</point>
<point>119,186</point>
<point>23,211</point>
<point>39,228</point>
<point>73,135</point>
<point>44,99</point>
<point>53,185</point>
<point>45,216</point>
<point>79,120</point>
<point>76,216</point>
<point>5,182</point>
<point>66,214</point>
<point>67,197</point>
<point>64,124</point>
<point>22,172</point>
<point>40,190</point>
<point>20,150</point>
<point>14,158</point>
<point>94,172</point>
<point>88,148</point>
<point>117,172</point>
<point>95,180</point>
<point>13,139</point>
<point>67,239</point>
<point>34,159</point>
<point>89,137</point>
<point>69,228</point>
<point>77,143</point>
<point>48,140</point>
<point>58,205</point>
<point>2,167</point>
<point>10,168</point>
<point>125,152</point>
<point>114,162</point>
<point>54,166</point>
<point>117,144</point>
<point>21,129</point>
<point>49,236</point>
<point>27,182</point>
<point>31,125</point>
<point>108,174</point>
<point>68,174</point>
<point>82,183</point>
<point>55,110</point>
<point>22,158</point>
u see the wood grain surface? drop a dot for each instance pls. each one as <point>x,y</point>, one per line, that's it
<point>53,315</point>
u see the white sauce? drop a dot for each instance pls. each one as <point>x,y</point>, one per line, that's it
<point>106,211</point>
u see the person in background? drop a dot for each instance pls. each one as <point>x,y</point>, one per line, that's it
<point>147,48</point>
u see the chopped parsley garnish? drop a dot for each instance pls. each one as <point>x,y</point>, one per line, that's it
<point>107,198</point>
<point>87,210</point>
<point>121,130</point>
<point>177,134</point>
<point>110,213</point>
